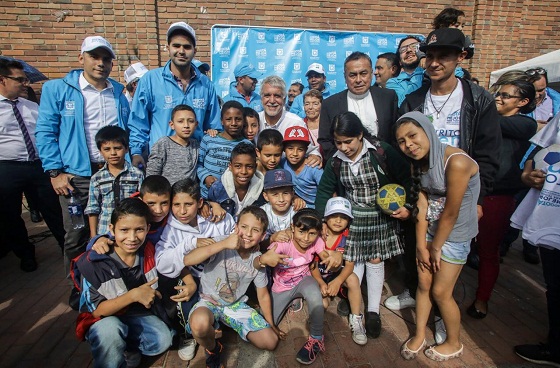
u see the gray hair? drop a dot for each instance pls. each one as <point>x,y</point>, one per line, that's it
<point>274,81</point>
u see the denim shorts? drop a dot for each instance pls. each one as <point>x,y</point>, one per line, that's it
<point>453,252</point>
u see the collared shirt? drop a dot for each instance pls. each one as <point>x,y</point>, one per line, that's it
<point>544,111</point>
<point>179,82</point>
<point>11,137</point>
<point>100,110</point>
<point>355,165</point>
<point>363,107</point>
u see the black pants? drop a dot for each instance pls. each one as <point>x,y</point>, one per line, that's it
<point>550,259</point>
<point>15,178</point>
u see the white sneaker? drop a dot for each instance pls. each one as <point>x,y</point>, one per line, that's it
<point>356,323</point>
<point>187,349</point>
<point>132,359</point>
<point>440,335</point>
<point>401,301</point>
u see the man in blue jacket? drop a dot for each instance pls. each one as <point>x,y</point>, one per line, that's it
<point>72,111</point>
<point>242,89</point>
<point>317,79</point>
<point>161,89</point>
<point>548,100</point>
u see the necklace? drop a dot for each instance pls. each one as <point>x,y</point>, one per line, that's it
<point>438,111</point>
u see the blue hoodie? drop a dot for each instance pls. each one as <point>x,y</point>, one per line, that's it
<point>234,95</point>
<point>60,134</point>
<point>297,105</point>
<point>156,96</point>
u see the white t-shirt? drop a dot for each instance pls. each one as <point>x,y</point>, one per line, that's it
<point>447,120</point>
<point>277,222</point>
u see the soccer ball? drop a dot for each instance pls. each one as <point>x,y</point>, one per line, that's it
<point>390,198</point>
<point>547,157</point>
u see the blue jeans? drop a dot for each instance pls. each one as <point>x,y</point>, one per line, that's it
<point>111,336</point>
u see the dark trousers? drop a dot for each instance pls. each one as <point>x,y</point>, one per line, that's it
<point>411,272</point>
<point>15,178</point>
<point>550,259</point>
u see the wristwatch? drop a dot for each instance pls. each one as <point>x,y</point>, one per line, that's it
<point>54,173</point>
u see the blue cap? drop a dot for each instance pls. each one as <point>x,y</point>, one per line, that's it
<point>277,178</point>
<point>245,69</point>
<point>203,67</point>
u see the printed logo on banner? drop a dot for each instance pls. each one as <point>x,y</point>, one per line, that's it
<point>243,50</point>
<point>314,54</point>
<point>225,66</point>
<point>261,37</point>
<point>295,80</point>
<point>331,55</point>
<point>261,65</point>
<point>224,82</point>
<point>279,52</point>
<point>225,93</point>
<point>223,35</point>
<point>314,40</point>
<point>297,67</point>
<point>332,83</point>
<point>261,53</point>
<point>332,69</point>
<point>332,40</point>
<point>348,41</point>
<point>365,40</point>
<point>397,41</point>
<point>280,38</point>
<point>383,42</point>
<point>243,37</point>
<point>296,54</point>
<point>224,51</point>
<point>280,68</point>
<point>297,37</point>
<point>348,53</point>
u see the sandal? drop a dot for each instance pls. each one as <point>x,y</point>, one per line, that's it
<point>433,354</point>
<point>409,354</point>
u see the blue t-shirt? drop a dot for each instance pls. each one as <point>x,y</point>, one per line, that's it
<point>306,182</point>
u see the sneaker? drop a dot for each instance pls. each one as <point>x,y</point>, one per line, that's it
<point>187,349</point>
<point>308,353</point>
<point>401,301</point>
<point>538,354</point>
<point>343,308</point>
<point>373,325</point>
<point>356,323</point>
<point>132,358</point>
<point>213,357</point>
<point>440,335</point>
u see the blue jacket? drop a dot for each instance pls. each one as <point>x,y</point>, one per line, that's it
<point>555,97</point>
<point>405,83</point>
<point>234,95</point>
<point>297,105</point>
<point>61,139</point>
<point>156,96</point>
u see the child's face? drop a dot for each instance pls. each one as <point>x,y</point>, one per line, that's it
<point>113,153</point>
<point>251,127</point>
<point>269,156</point>
<point>413,141</point>
<point>185,208</point>
<point>130,231</point>
<point>243,168</point>
<point>295,152</point>
<point>304,238</point>
<point>350,146</point>
<point>184,124</point>
<point>337,222</point>
<point>233,122</point>
<point>251,230</point>
<point>158,204</point>
<point>280,199</point>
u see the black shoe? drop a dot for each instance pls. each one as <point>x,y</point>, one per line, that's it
<point>343,308</point>
<point>308,352</point>
<point>35,216</point>
<point>473,261</point>
<point>538,354</point>
<point>213,357</point>
<point>504,248</point>
<point>475,313</point>
<point>28,264</point>
<point>530,254</point>
<point>373,325</point>
<point>74,299</point>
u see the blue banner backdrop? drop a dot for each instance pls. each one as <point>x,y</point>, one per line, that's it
<point>287,52</point>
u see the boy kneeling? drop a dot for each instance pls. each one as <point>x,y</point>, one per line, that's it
<point>121,311</point>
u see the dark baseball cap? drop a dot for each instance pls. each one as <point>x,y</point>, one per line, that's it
<point>277,178</point>
<point>444,37</point>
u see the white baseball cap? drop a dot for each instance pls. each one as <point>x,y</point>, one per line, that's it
<point>338,205</point>
<point>184,27</point>
<point>93,42</point>
<point>134,72</point>
<point>315,67</point>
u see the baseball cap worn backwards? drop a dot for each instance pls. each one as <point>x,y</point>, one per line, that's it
<point>444,37</point>
<point>182,26</point>
<point>94,42</point>
<point>134,72</point>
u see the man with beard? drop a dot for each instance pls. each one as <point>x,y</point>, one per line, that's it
<point>317,80</point>
<point>161,89</point>
<point>410,78</point>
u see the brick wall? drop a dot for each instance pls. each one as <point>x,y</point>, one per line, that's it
<point>48,34</point>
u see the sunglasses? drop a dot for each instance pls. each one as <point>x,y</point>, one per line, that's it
<point>22,80</point>
<point>540,71</point>
<point>504,95</point>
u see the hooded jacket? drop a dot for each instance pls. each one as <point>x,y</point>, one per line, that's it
<point>224,189</point>
<point>234,95</point>
<point>60,132</point>
<point>479,128</point>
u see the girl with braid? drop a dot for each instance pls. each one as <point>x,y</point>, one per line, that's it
<point>445,190</point>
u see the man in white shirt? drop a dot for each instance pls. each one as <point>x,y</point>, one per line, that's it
<point>20,168</point>
<point>72,111</point>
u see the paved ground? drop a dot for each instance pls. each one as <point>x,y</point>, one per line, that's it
<point>37,326</point>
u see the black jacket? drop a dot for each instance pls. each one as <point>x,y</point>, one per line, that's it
<point>479,128</point>
<point>385,102</point>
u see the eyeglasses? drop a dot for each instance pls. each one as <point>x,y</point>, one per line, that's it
<point>412,47</point>
<point>22,80</point>
<point>505,96</point>
<point>540,71</point>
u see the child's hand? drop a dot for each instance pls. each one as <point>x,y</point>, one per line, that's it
<point>324,289</point>
<point>145,294</point>
<point>233,241</point>
<point>217,212</point>
<point>281,334</point>
<point>423,259</point>
<point>401,213</point>
<point>212,132</point>
<point>435,257</point>
<point>281,236</point>
<point>272,259</point>
<point>314,160</point>
<point>298,204</point>
<point>333,287</point>
<point>333,261</point>
<point>209,180</point>
<point>102,245</point>
<point>186,292</point>
<point>204,242</point>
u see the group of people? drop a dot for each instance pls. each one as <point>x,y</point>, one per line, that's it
<point>202,212</point>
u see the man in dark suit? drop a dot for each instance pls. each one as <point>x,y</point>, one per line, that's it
<point>376,107</point>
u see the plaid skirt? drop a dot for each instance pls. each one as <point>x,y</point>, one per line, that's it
<point>372,234</point>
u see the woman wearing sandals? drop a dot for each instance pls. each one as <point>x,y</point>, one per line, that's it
<point>446,184</point>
